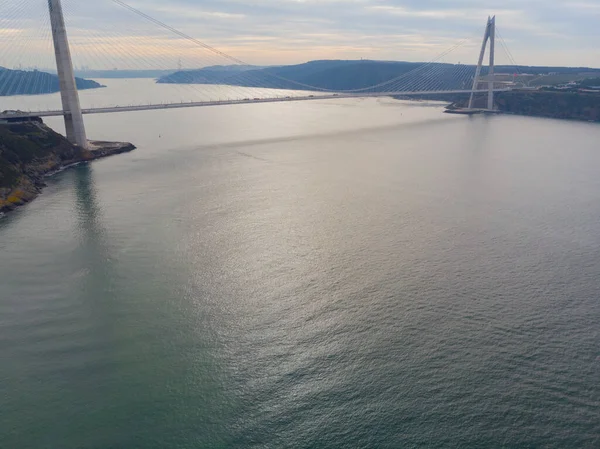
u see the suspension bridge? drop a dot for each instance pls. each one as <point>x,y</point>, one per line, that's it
<point>252,86</point>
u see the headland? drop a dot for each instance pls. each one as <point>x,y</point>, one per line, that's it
<point>31,151</point>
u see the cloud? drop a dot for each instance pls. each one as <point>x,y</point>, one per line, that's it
<point>548,32</point>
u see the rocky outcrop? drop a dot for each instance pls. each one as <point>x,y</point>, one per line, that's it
<point>31,151</point>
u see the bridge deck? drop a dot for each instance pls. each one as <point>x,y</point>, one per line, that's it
<point>150,107</point>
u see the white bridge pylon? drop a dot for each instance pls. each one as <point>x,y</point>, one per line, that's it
<point>66,77</point>
<point>489,36</point>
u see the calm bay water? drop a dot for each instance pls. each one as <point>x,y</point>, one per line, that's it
<point>330,274</point>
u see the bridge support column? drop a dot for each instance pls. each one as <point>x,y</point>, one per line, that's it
<point>66,77</point>
<point>491,70</point>
<point>490,35</point>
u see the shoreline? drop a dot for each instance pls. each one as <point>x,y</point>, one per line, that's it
<point>570,106</point>
<point>54,155</point>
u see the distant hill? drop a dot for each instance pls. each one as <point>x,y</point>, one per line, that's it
<point>324,74</point>
<point>332,75</point>
<point>340,74</point>
<point>115,74</point>
<point>20,82</point>
<point>218,74</point>
<point>156,74</point>
<point>233,68</point>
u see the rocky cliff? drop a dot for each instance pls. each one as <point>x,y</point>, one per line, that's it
<point>30,151</point>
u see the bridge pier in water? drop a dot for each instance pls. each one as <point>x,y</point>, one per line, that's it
<point>68,88</point>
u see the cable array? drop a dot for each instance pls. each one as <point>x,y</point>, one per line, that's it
<point>135,41</point>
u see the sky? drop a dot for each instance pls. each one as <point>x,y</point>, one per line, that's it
<point>266,32</point>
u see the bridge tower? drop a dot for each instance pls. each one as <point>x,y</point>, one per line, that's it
<point>490,35</point>
<point>68,88</point>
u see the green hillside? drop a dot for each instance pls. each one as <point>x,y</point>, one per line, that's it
<point>353,74</point>
<point>21,82</point>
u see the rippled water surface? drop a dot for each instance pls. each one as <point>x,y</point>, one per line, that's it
<point>329,274</point>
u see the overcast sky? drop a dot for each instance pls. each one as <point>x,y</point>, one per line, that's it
<point>538,32</point>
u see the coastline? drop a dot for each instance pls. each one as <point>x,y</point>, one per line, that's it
<point>573,106</point>
<point>31,152</point>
